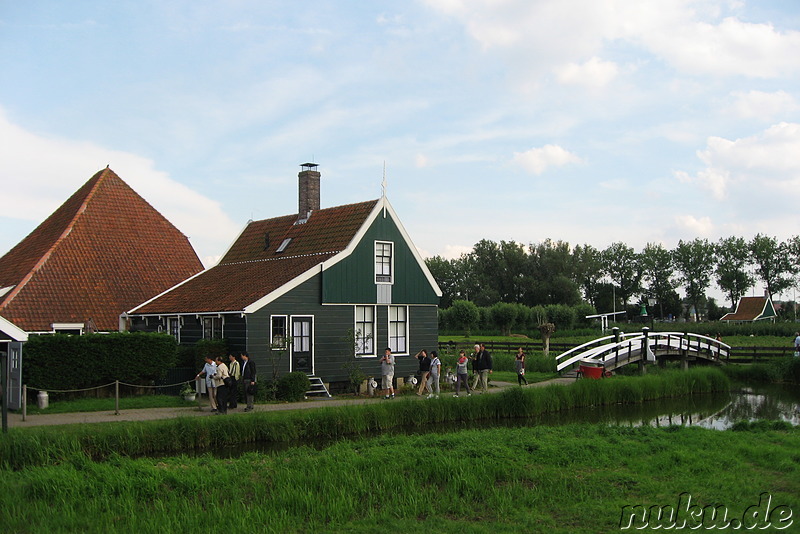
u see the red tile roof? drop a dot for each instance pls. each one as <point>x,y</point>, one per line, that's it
<point>253,268</point>
<point>103,251</point>
<point>748,309</point>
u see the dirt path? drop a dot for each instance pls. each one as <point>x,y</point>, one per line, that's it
<point>149,414</point>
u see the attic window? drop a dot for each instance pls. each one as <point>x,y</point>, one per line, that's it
<point>284,244</point>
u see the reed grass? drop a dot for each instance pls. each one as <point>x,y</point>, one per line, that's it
<point>565,479</point>
<point>46,445</point>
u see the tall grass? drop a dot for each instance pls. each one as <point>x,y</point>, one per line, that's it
<point>567,479</point>
<point>41,446</point>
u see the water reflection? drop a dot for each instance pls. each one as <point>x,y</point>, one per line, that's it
<point>719,412</point>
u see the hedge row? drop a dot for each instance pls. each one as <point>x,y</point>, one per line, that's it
<point>61,362</point>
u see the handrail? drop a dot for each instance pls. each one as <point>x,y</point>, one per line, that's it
<point>674,340</point>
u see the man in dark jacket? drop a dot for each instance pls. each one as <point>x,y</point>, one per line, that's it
<point>248,380</point>
<point>484,366</point>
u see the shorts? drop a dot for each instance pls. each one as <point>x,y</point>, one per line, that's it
<point>386,381</point>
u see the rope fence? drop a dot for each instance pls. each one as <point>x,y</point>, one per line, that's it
<point>198,389</point>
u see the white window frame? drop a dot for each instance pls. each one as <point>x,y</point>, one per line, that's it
<point>168,323</point>
<point>272,344</point>
<point>380,275</point>
<point>364,343</point>
<point>217,325</point>
<point>392,334</point>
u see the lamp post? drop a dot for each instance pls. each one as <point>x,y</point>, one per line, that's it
<point>652,303</point>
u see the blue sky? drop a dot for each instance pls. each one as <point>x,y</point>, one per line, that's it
<point>576,120</point>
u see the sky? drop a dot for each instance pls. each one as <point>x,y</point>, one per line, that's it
<point>640,121</point>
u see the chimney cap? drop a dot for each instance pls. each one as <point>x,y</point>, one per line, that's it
<point>308,166</point>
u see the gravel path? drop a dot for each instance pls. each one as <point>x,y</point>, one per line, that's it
<point>149,414</point>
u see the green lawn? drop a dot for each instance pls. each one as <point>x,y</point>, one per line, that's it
<point>570,479</point>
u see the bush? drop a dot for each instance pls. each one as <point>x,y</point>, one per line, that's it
<point>292,387</point>
<point>62,361</point>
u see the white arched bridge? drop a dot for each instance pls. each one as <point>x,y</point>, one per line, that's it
<point>611,352</point>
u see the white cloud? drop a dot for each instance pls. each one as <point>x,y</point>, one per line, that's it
<point>37,174</point>
<point>762,164</point>
<point>421,160</point>
<point>761,105</point>
<point>693,36</point>
<point>701,227</point>
<point>594,73</point>
<point>538,160</point>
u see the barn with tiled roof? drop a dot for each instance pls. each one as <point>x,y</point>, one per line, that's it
<point>319,291</point>
<point>105,250</point>
<point>751,309</point>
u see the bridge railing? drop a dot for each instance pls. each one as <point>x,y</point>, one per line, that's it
<point>586,350</point>
<point>632,345</point>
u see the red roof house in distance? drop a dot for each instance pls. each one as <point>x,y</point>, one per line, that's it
<point>751,309</point>
<point>102,252</point>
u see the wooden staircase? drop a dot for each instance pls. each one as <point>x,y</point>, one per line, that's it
<point>317,387</point>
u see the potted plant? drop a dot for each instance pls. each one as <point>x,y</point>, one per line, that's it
<point>188,393</point>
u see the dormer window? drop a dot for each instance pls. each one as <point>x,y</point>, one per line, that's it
<point>284,244</point>
<point>383,262</point>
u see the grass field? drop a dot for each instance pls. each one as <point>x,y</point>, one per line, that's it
<point>570,479</point>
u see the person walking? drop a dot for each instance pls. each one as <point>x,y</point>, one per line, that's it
<point>235,370</point>
<point>476,363</point>
<point>387,373</point>
<point>424,371</point>
<point>436,371</point>
<point>461,374</point>
<point>519,364</point>
<point>248,380</point>
<point>223,380</point>
<point>209,369</point>
<point>797,344</point>
<point>485,368</point>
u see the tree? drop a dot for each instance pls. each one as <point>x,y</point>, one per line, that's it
<point>773,263</point>
<point>731,272</point>
<point>504,315</point>
<point>444,272</point>
<point>621,265</point>
<point>464,314</point>
<point>695,263</point>
<point>657,271</point>
<point>551,274</point>
<point>588,270</point>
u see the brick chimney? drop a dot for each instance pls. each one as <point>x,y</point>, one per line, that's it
<point>308,190</point>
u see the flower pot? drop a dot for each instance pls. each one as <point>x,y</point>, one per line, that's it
<point>189,397</point>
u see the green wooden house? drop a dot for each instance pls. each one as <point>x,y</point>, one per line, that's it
<point>320,291</point>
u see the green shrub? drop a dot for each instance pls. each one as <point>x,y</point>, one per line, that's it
<point>292,387</point>
<point>62,361</point>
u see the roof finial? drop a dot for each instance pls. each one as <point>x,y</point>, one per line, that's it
<point>383,183</point>
<point>383,188</point>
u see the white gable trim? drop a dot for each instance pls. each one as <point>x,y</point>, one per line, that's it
<point>285,288</point>
<point>165,292</point>
<point>380,210</point>
<point>13,331</point>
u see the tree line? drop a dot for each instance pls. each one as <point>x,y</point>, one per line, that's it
<point>554,273</point>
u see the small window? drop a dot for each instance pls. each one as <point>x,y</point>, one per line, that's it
<point>383,262</point>
<point>365,331</point>
<point>174,328</point>
<point>284,244</point>
<point>212,327</point>
<point>278,332</point>
<point>398,329</point>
